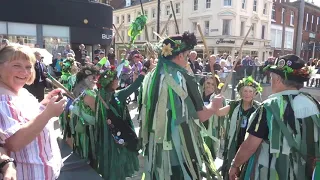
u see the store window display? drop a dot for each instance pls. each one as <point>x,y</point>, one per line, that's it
<point>55,45</point>
<point>23,40</point>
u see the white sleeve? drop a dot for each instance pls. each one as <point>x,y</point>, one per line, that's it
<point>304,107</point>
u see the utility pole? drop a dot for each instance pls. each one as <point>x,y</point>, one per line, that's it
<point>283,29</point>
<point>158,18</point>
<point>300,28</point>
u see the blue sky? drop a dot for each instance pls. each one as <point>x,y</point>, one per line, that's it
<point>317,2</point>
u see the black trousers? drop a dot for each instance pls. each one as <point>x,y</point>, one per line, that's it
<point>37,90</point>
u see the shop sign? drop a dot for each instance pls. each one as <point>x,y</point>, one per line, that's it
<point>248,43</point>
<point>225,41</point>
<point>312,35</point>
<point>106,36</point>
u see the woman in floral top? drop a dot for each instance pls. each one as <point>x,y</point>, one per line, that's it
<point>26,128</point>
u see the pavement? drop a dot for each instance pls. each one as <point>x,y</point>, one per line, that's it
<point>85,172</point>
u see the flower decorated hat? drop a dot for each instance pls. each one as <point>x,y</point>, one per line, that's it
<point>107,77</point>
<point>249,81</point>
<point>87,71</point>
<point>290,67</point>
<point>172,46</point>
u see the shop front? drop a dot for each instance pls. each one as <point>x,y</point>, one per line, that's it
<point>52,24</point>
<point>231,46</point>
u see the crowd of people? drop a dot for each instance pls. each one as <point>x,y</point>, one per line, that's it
<point>185,124</point>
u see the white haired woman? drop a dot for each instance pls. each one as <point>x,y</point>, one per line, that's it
<point>25,129</point>
<point>238,113</point>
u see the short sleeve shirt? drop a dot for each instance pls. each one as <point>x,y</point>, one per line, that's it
<point>41,159</point>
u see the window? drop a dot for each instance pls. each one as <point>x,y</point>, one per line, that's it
<point>318,22</point>
<point>128,38</point>
<point>306,28</point>
<point>206,28</point>
<point>55,38</point>
<point>168,10</point>
<point>208,4</point>
<point>255,5</point>
<point>195,5</point>
<point>177,8</point>
<point>311,23</point>
<point>276,39</point>
<point>227,2</point>
<point>139,13</point>
<point>291,18</point>
<point>194,27</point>
<point>243,4</point>
<point>146,13</point>
<point>263,31</point>
<point>242,28</point>
<point>282,16</point>
<point>273,15</point>
<point>122,34</point>
<point>253,30</point>
<point>129,18</point>
<point>152,34</point>
<point>122,19</point>
<point>153,13</point>
<point>226,27</point>
<point>117,19</point>
<point>167,31</point>
<point>139,37</point>
<point>265,8</point>
<point>289,40</point>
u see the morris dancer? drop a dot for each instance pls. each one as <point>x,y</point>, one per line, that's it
<point>117,141</point>
<point>233,131</point>
<point>213,124</point>
<point>69,71</point>
<point>171,109</point>
<point>283,141</point>
<point>81,123</point>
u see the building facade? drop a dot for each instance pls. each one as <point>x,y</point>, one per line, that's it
<point>311,31</point>
<point>283,12</point>
<point>53,24</point>
<point>124,16</point>
<point>226,22</point>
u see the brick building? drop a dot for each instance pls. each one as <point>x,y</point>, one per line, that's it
<point>280,9</point>
<point>311,30</point>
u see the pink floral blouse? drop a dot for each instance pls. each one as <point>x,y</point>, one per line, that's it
<point>41,159</point>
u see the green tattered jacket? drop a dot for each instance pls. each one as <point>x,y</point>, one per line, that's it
<point>286,155</point>
<point>170,129</point>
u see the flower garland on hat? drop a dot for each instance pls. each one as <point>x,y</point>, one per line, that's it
<point>249,81</point>
<point>107,77</point>
<point>286,68</point>
<point>175,45</point>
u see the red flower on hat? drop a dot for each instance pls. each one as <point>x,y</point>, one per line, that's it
<point>113,67</point>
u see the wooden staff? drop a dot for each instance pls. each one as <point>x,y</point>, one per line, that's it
<point>229,77</point>
<point>57,84</point>
<point>207,51</point>
<point>114,36</point>
<point>174,17</point>
<point>166,25</point>
<point>145,27</point>
<point>117,32</point>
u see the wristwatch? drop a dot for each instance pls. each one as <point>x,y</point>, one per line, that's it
<point>8,161</point>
